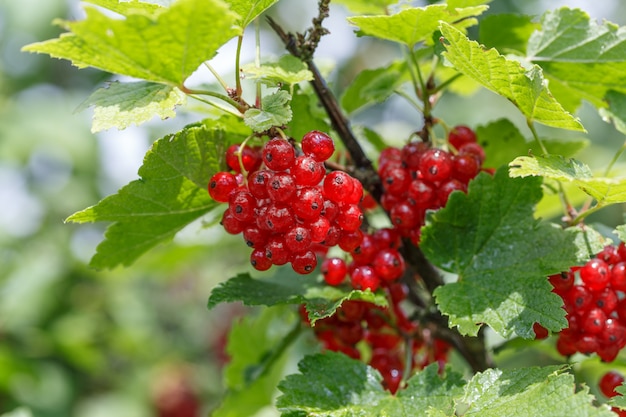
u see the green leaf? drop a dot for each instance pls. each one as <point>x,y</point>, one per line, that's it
<point>455,4</point>
<point>619,400</point>
<point>621,232</point>
<point>503,142</point>
<point>162,49</point>
<point>126,8</point>
<point>248,10</point>
<point>18,412</point>
<point>170,194</point>
<point>275,111</point>
<point>507,32</point>
<point>502,256</point>
<point>415,25</point>
<point>333,384</point>
<point>604,190</point>
<point>525,88</point>
<point>307,115</point>
<point>366,6</point>
<point>251,382</point>
<point>545,392</point>
<point>616,111</point>
<point>373,86</point>
<point>120,105</point>
<point>288,70</point>
<point>289,288</point>
<point>581,58</point>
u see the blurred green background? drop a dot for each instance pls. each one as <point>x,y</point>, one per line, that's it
<point>128,342</point>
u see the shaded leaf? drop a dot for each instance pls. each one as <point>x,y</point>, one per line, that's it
<point>581,58</point>
<point>546,392</point>
<point>616,110</point>
<point>506,32</point>
<point>373,86</point>
<point>288,288</point>
<point>158,48</point>
<point>275,112</point>
<point>621,232</point>
<point>523,87</point>
<point>604,190</point>
<point>588,241</point>
<point>502,256</point>
<point>170,194</point>
<point>307,115</point>
<point>120,105</point>
<point>332,384</point>
<point>414,25</point>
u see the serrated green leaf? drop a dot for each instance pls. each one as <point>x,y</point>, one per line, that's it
<point>506,32</point>
<point>170,194</point>
<point>581,58</point>
<point>414,25</point>
<point>321,300</point>
<point>588,241</point>
<point>158,49</point>
<point>503,142</point>
<point>502,255</point>
<point>120,105</point>
<point>604,190</point>
<point>126,8</point>
<point>288,70</point>
<point>523,87</point>
<point>248,10</point>
<point>366,6</point>
<point>373,86</point>
<point>250,343</point>
<point>333,384</point>
<point>621,232</point>
<point>545,392</point>
<point>275,111</point>
<point>616,111</point>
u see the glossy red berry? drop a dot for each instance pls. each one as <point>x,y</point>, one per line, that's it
<point>460,135</point>
<point>278,154</point>
<point>221,185</point>
<point>281,187</point>
<point>349,217</point>
<point>364,278</point>
<point>609,382</point>
<point>595,274</point>
<point>304,263</point>
<point>318,145</point>
<point>259,260</point>
<point>334,271</point>
<point>257,183</point>
<point>242,205</point>
<point>389,264</point>
<point>337,186</point>
<point>540,331</point>
<point>307,171</point>
<point>250,158</point>
<point>436,165</point>
<point>309,203</point>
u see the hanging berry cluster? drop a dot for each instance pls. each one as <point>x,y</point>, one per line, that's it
<point>418,178</point>
<point>383,336</point>
<point>594,296</point>
<point>285,204</point>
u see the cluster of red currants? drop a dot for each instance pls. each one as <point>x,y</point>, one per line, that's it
<point>607,384</point>
<point>595,305</point>
<point>285,204</point>
<point>418,177</point>
<point>382,335</point>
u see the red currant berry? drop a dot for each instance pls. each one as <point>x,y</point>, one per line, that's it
<point>595,274</point>
<point>540,331</point>
<point>250,157</point>
<point>231,224</point>
<point>259,260</point>
<point>281,187</point>
<point>351,310</point>
<point>443,193</point>
<point>562,282</point>
<point>436,165</point>
<point>609,382</point>
<point>242,205</point>
<point>421,193</point>
<point>278,154</point>
<point>389,264</point>
<point>221,185</point>
<point>349,217</point>
<point>304,263</point>
<point>255,237</point>
<point>579,298</point>
<point>318,229</point>
<point>396,181</point>
<point>334,271</point>
<point>337,186</point>
<point>309,203</point>
<point>356,195</point>
<point>386,238</point>
<point>332,236</point>
<point>412,153</point>
<point>307,171</point>
<point>405,216</point>
<point>276,251</point>
<point>298,239</point>
<point>350,240</point>
<point>364,278</point>
<point>460,135</point>
<point>257,183</point>
<point>606,300</point>
<point>609,255</point>
<point>594,321</point>
<point>365,252</point>
<point>466,167</point>
<point>318,145</point>
<point>473,149</point>
<point>277,219</point>
<point>618,276</point>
